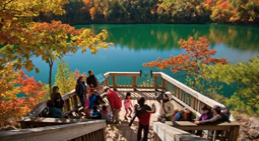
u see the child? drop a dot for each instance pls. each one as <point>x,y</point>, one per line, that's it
<point>95,113</point>
<point>143,113</point>
<point>105,113</point>
<point>127,105</point>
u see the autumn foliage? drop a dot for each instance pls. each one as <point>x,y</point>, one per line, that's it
<point>12,83</point>
<point>197,53</point>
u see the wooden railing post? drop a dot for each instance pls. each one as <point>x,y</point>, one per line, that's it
<point>234,133</point>
<point>114,82</point>
<point>134,82</point>
<point>164,84</point>
<point>155,83</point>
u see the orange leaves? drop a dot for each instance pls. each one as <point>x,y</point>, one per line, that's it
<point>13,83</point>
<point>197,52</point>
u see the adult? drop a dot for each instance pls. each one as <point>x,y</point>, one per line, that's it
<point>53,112</point>
<point>92,99</point>
<point>166,108</point>
<point>220,114</point>
<point>56,97</point>
<point>115,103</point>
<point>91,80</point>
<point>81,90</point>
<point>143,112</point>
<point>178,116</point>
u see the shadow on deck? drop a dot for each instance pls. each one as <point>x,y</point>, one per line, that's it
<point>122,131</point>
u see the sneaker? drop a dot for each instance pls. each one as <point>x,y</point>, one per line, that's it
<point>129,116</point>
<point>125,118</point>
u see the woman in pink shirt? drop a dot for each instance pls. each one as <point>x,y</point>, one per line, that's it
<point>127,105</point>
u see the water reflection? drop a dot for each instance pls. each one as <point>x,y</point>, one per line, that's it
<point>166,36</point>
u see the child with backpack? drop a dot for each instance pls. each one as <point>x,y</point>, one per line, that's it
<point>127,105</point>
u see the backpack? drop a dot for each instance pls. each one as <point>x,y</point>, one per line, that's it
<point>225,114</point>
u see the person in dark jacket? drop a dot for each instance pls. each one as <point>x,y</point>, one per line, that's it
<point>221,114</point>
<point>143,112</point>
<point>91,80</point>
<point>53,112</point>
<point>81,90</point>
<point>56,97</point>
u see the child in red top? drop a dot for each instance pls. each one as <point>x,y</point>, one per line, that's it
<point>143,113</point>
<point>127,105</point>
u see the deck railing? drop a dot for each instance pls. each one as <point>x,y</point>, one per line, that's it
<point>183,94</point>
<point>30,120</point>
<point>223,131</point>
<point>82,131</point>
<point>164,132</point>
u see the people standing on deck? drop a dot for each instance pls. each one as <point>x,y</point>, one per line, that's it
<point>166,108</point>
<point>81,90</point>
<point>92,99</point>
<point>143,112</point>
<point>115,103</point>
<point>220,114</point>
<point>127,106</point>
<point>56,97</point>
<point>91,80</point>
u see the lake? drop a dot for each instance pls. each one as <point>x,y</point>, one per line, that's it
<point>135,44</point>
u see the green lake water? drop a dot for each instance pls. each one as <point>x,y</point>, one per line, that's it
<point>135,44</point>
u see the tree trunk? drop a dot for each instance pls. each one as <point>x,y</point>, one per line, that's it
<point>50,74</point>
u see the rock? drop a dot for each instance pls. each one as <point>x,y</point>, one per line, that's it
<point>243,137</point>
<point>254,123</point>
<point>254,134</point>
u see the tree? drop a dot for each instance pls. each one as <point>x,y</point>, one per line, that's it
<point>197,53</point>
<point>16,40</point>
<point>12,83</point>
<point>64,78</point>
<point>57,39</point>
<point>246,75</point>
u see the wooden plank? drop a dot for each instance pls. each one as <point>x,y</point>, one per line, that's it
<point>61,132</point>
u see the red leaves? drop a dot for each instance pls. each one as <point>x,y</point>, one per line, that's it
<point>13,83</point>
<point>197,52</point>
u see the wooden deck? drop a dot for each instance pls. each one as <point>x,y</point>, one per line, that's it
<point>122,132</point>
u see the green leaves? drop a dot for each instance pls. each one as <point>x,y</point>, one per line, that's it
<point>246,74</point>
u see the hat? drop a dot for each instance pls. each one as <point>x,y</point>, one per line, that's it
<point>168,93</point>
<point>205,107</point>
<point>106,88</point>
<point>215,107</point>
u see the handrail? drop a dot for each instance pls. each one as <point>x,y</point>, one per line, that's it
<point>85,131</point>
<point>183,94</point>
<point>164,132</point>
<point>231,127</point>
